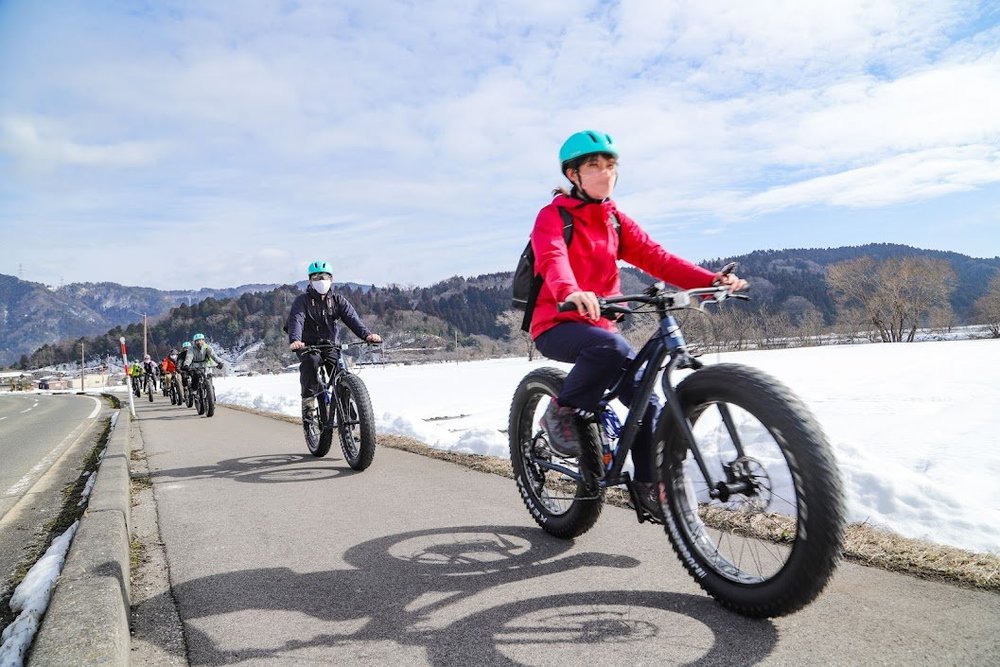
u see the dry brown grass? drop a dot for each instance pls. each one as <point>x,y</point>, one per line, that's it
<point>863,544</point>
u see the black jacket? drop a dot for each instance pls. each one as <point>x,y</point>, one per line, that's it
<point>314,318</point>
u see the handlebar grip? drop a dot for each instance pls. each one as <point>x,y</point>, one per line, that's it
<point>566,307</point>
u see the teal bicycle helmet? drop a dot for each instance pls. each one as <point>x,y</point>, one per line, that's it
<point>186,344</point>
<point>319,267</point>
<point>198,336</point>
<point>587,142</point>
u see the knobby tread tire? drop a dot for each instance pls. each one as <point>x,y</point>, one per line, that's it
<point>319,443</point>
<point>586,507</point>
<point>209,398</point>
<point>816,550</point>
<point>355,386</point>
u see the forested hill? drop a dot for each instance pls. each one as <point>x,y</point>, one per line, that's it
<point>32,313</point>
<point>462,312</point>
<point>780,274</point>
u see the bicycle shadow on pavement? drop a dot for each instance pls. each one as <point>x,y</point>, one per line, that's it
<point>262,469</point>
<point>458,596</point>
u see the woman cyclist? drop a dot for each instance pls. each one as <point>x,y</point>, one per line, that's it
<point>580,273</point>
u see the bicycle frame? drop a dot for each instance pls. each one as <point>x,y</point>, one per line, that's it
<point>668,341</point>
<point>333,370</point>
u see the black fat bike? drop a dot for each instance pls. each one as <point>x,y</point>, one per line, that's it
<point>344,407</point>
<point>203,395</point>
<point>750,493</point>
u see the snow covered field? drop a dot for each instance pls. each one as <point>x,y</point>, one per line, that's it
<point>914,426</point>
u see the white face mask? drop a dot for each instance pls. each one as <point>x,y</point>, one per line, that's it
<point>322,286</point>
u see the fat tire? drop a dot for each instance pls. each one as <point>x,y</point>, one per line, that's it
<point>815,551</point>
<point>585,509</point>
<point>209,398</point>
<point>318,442</point>
<point>190,396</point>
<point>200,399</point>
<point>356,390</point>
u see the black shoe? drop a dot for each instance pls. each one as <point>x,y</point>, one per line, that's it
<point>559,422</point>
<point>652,497</point>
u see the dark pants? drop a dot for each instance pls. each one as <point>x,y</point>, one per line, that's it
<point>308,365</point>
<point>599,357</point>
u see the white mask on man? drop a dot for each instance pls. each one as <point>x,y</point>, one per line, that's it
<point>322,286</point>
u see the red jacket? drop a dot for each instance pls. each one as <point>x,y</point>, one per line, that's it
<point>168,365</point>
<point>589,264</point>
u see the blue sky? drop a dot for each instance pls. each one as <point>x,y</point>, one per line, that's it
<point>192,144</point>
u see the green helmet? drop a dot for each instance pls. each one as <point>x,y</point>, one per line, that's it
<point>186,344</point>
<point>587,142</point>
<point>198,336</point>
<point>319,267</point>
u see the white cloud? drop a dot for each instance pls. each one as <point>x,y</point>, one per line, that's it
<point>263,124</point>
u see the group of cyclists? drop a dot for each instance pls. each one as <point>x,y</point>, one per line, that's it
<point>175,375</point>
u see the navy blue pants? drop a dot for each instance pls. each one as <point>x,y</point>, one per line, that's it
<point>599,357</point>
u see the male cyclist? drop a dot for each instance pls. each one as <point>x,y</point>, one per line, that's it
<point>200,356</point>
<point>313,318</point>
<point>183,372</point>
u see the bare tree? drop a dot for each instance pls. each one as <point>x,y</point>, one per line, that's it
<point>511,320</point>
<point>896,296</point>
<point>987,307</point>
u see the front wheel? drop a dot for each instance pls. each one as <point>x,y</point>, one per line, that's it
<point>209,397</point>
<point>355,421</point>
<point>765,538</point>
<point>199,399</point>
<point>149,391</point>
<point>561,505</point>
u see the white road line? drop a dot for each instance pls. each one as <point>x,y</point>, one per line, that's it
<point>2,418</point>
<point>27,410</point>
<point>97,407</point>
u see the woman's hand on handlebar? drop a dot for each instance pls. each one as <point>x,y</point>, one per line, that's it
<point>730,280</point>
<point>296,345</point>
<point>586,304</point>
<point>374,339</point>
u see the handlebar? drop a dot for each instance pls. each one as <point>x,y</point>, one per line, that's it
<point>657,295</point>
<point>327,346</point>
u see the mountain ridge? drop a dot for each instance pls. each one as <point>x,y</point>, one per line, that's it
<point>33,315</point>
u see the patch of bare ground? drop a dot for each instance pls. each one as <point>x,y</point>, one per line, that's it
<point>863,543</point>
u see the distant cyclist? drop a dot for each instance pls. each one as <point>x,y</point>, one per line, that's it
<point>200,356</point>
<point>135,376</point>
<point>168,370</point>
<point>150,371</point>
<point>181,356</point>
<point>313,318</point>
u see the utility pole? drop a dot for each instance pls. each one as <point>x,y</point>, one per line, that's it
<point>81,369</point>
<point>144,350</point>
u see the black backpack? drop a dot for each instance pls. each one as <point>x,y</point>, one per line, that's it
<point>527,283</point>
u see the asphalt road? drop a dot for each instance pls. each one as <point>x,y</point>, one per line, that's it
<point>276,557</point>
<point>43,439</point>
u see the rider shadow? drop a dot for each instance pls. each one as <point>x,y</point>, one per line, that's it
<point>462,596</point>
<point>263,469</point>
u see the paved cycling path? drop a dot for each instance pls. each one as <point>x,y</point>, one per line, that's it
<point>276,557</point>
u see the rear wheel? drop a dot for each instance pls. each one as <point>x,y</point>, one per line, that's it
<point>316,427</point>
<point>561,505</point>
<point>356,426</point>
<point>766,539</point>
